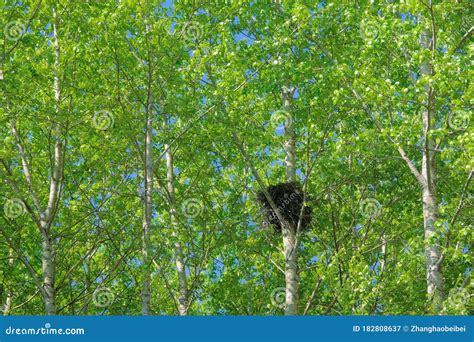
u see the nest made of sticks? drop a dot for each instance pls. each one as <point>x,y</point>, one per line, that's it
<point>288,198</point>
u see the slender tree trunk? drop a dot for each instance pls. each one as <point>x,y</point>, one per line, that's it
<point>8,304</point>
<point>383,251</point>
<point>46,218</point>
<point>8,300</point>
<point>290,139</point>
<point>291,272</point>
<point>434,276</point>
<point>179,259</point>
<point>148,207</point>
<point>48,276</point>
<point>148,173</point>
<point>289,232</point>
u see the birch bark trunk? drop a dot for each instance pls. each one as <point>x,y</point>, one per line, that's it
<point>147,212</point>
<point>8,300</point>
<point>289,232</point>
<point>179,259</point>
<point>148,174</point>
<point>48,266</point>
<point>47,217</point>
<point>433,253</point>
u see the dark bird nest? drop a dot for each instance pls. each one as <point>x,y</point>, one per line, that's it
<point>288,198</point>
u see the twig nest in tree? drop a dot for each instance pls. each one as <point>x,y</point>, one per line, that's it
<point>288,198</point>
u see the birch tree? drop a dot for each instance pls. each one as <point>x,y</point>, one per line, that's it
<point>44,216</point>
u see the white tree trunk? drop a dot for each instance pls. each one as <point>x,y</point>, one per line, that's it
<point>8,300</point>
<point>47,216</point>
<point>290,139</point>
<point>148,170</point>
<point>291,272</point>
<point>147,212</point>
<point>8,304</point>
<point>289,233</point>
<point>48,267</point>
<point>434,276</point>
<point>183,304</point>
